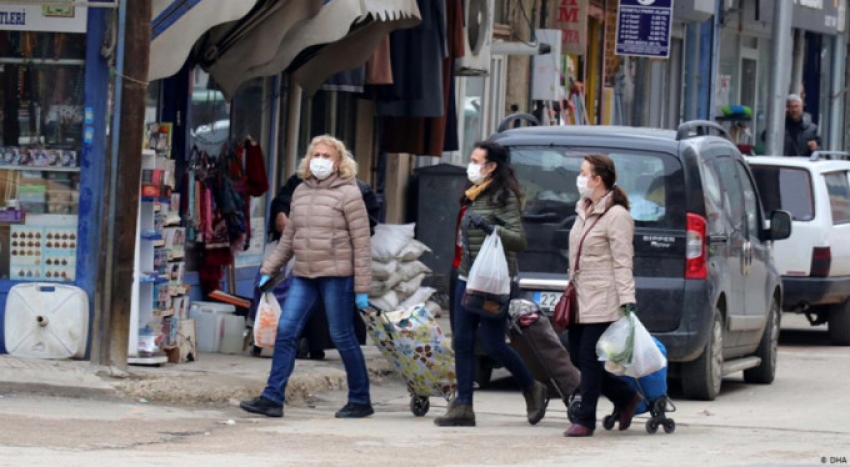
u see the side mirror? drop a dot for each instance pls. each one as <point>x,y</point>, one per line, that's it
<point>780,225</point>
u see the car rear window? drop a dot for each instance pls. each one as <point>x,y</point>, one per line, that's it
<point>838,187</point>
<point>653,182</point>
<point>786,188</point>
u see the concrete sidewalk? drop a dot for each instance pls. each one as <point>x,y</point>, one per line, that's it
<point>214,379</point>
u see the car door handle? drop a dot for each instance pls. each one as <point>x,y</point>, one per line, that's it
<point>717,239</point>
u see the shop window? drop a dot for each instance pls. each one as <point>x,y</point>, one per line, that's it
<point>209,114</point>
<point>42,79</point>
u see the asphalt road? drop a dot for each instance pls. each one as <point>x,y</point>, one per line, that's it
<point>799,420</point>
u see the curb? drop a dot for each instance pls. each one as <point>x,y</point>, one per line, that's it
<point>208,388</point>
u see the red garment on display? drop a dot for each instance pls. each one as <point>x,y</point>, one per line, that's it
<point>256,179</point>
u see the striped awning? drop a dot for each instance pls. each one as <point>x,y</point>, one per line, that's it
<point>177,24</point>
<point>237,40</point>
<point>326,37</point>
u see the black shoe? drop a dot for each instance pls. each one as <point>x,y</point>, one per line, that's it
<point>317,355</point>
<point>352,410</point>
<point>262,406</point>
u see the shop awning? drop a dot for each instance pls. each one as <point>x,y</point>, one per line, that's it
<point>177,24</point>
<point>312,39</point>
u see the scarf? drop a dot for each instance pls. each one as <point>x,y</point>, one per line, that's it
<point>476,190</point>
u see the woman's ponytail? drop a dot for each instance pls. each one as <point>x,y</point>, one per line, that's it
<point>619,196</point>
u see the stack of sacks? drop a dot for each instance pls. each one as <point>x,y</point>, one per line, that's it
<point>397,273</point>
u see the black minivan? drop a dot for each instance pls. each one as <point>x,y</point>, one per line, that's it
<point>706,283</point>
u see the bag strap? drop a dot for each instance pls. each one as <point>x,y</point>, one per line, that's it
<point>581,242</point>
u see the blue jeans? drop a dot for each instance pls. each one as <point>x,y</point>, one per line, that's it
<point>492,334</point>
<point>337,294</point>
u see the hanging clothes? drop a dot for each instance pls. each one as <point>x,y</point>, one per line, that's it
<point>417,66</point>
<point>379,68</point>
<point>434,135</point>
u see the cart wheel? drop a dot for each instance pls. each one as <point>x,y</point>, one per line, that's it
<point>419,406</point>
<point>651,427</point>
<point>608,422</point>
<point>572,409</point>
<point>256,351</point>
<point>669,426</point>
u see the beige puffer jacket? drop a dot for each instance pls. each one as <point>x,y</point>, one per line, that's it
<point>605,280</point>
<point>327,232</point>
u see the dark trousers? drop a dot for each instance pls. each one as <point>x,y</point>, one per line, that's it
<point>468,326</point>
<point>594,379</point>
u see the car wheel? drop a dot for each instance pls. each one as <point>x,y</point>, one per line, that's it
<point>483,371</point>
<point>767,350</point>
<point>839,324</point>
<point>701,378</point>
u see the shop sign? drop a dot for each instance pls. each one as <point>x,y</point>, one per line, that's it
<point>570,17</point>
<point>644,27</point>
<point>818,16</point>
<point>53,18</point>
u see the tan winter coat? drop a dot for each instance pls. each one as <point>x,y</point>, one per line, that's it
<point>327,232</point>
<point>604,281</point>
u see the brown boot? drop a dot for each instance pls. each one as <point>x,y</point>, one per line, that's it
<point>457,415</point>
<point>536,400</point>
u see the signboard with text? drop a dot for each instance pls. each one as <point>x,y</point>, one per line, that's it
<point>43,18</point>
<point>570,17</point>
<point>643,28</point>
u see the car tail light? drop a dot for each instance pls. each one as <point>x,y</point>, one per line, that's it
<point>821,261</point>
<point>697,256</point>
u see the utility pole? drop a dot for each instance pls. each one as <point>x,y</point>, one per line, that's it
<point>780,67</point>
<point>124,167</point>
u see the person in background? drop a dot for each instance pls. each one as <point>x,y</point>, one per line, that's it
<point>605,287</point>
<point>492,205</point>
<point>328,234</point>
<point>801,136</point>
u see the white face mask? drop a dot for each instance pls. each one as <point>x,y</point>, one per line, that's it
<point>581,185</point>
<point>473,172</point>
<point>321,168</point>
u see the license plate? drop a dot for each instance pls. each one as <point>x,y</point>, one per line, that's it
<point>547,300</point>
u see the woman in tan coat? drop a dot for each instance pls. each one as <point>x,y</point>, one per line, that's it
<point>328,234</point>
<point>603,234</point>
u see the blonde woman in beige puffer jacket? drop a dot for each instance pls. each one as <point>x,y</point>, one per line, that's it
<point>328,235</point>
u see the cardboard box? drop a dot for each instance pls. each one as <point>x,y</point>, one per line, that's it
<point>187,347</point>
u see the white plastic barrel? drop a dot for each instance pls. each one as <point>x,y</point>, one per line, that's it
<point>209,329</point>
<point>233,339</point>
<point>45,320</point>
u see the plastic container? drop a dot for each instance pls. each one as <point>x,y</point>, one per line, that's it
<point>213,307</point>
<point>233,339</point>
<point>44,320</point>
<point>209,329</point>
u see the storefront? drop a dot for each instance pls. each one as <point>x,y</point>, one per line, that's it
<point>745,54</point>
<point>53,106</point>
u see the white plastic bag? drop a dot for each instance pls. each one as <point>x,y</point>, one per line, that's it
<point>489,273</point>
<point>628,349</point>
<point>413,250</point>
<point>383,270</point>
<point>390,239</point>
<point>418,298</point>
<point>265,324</point>
<point>646,356</point>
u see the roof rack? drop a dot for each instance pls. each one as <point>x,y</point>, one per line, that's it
<point>509,121</point>
<point>830,156</point>
<point>695,128</point>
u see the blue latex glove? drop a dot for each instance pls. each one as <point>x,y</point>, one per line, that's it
<point>361,300</point>
<point>480,223</point>
<point>263,279</point>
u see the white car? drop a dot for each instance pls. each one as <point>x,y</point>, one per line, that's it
<point>815,261</point>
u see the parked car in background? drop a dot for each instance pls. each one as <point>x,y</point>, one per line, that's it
<point>707,286</point>
<point>815,260</point>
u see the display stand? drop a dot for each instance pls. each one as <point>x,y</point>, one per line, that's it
<point>159,297</point>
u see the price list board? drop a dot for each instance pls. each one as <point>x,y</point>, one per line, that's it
<point>643,28</point>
